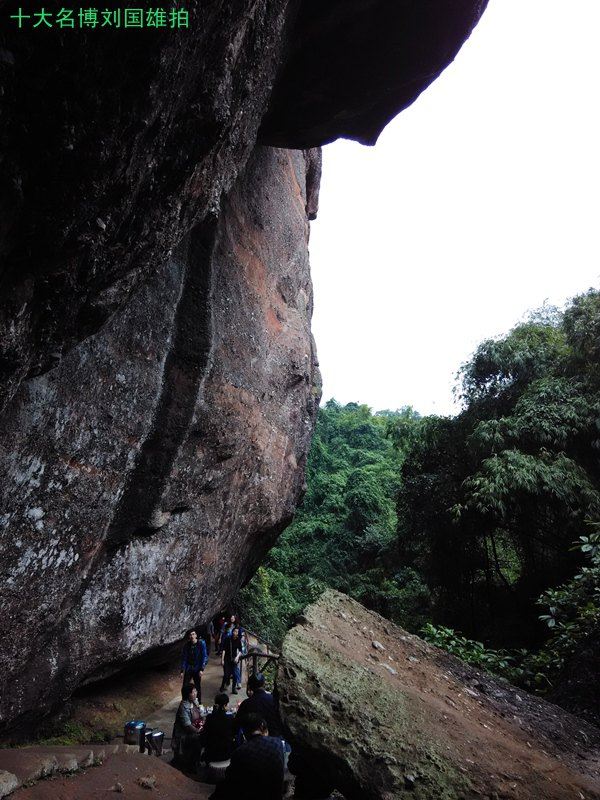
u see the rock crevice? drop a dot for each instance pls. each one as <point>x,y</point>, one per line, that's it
<point>139,512</point>
<point>188,416</point>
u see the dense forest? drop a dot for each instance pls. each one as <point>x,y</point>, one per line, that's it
<point>481,530</point>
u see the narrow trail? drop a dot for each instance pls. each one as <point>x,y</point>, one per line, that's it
<point>23,770</point>
<point>164,717</point>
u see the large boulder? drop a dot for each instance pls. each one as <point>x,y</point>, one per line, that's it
<point>149,473</point>
<point>378,713</point>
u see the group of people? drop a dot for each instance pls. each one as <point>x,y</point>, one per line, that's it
<point>249,744</point>
<point>230,642</point>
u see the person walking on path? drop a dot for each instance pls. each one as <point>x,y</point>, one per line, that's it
<point>244,641</point>
<point>224,634</point>
<point>228,625</point>
<point>230,659</point>
<point>193,661</point>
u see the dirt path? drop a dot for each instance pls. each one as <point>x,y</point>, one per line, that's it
<point>164,717</point>
<point>124,769</point>
<point>99,714</point>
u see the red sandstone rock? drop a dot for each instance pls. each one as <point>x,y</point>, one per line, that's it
<point>157,371</point>
<point>149,473</point>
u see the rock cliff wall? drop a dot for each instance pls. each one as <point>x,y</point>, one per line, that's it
<point>150,472</point>
<point>158,383</point>
<point>113,144</point>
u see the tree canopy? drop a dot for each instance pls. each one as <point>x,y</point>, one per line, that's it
<point>464,522</point>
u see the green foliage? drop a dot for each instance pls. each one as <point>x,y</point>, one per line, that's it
<point>582,328</point>
<point>271,600</point>
<point>448,524</point>
<point>501,368</point>
<point>573,614</point>
<point>402,597</point>
<point>344,535</point>
<point>573,609</point>
<point>500,491</point>
<point>498,662</point>
<point>74,733</point>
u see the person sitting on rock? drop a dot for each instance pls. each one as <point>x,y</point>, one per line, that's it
<point>193,661</point>
<point>218,733</point>
<point>259,702</point>
<point>186,734</point>
<point>256,770</point>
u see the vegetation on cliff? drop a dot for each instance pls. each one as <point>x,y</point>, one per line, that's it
<point>465,523</point>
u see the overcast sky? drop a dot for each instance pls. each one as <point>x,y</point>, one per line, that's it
<point>479,202</point>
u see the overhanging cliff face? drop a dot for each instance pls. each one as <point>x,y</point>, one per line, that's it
<point>353,65</point>
<point>150,472</point>
<point>157,372</point>
<point>114,144</point>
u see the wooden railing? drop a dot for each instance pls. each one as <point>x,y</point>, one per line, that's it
<point>260,656</point>
<point>261,640</point>
<point>253,661</point>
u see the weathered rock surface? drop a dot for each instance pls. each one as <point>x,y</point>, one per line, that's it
<point>410,720</point>
<point>147,475</point>
<point>27,765</point>
<point>353,65</point>
<point>118,770</point>
<point>113,144</point>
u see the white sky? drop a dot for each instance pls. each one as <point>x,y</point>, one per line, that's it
<point>478,203</point>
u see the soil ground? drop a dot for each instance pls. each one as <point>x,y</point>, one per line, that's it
<point>100,783</point>
<point>99,713</point>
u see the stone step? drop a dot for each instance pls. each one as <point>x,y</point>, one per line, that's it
<point>26,765</point>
